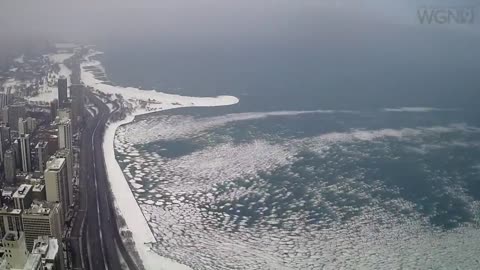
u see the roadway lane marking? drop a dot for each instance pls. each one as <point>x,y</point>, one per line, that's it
<point>99,220</point>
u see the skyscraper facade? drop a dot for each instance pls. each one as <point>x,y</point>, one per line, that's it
<point>64,133</point>
<point>62,91</point>
<point>25,152</point>
<point>10,166</point>
<point>56,182</point>
<point>13,113</point>
<point>42,155</point>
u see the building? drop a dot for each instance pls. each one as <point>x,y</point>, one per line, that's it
<point>4,100</point>
<point>4,140</point>
<point>3,146</point>
<point>25,152</point>
<point>10,166</point>
<point>18,152</point>
<point>67,154</point>
<point>43,218</point>
<point>42,154</point>
<point>62,91</point>
<point>15,112</point>
<point>5,133</point>
<point>15,250</point>
<point>22,126</point>
<point>67,113</point>
<point>78,103</point>
<point>56,182</point>
<point>51,253</point>
<point>23,198</point>
<point>64,114</point>
<point>64,133</point>
<point>31,124</point>
<point>10,220</point>
<point>53,109</point>
<point>5,114</point>
<point>38,192</point>
<point>52,141</point>
<point>46,253</point>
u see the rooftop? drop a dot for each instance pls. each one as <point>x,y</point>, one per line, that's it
<point>62,121</point>
<point>22,191</point>
<point>12,236</point>
<point>55,163</point>
<point>40,208</point>
<point>38,188</point>
<point>8,192</point>
<point>10,210</point>
<point>62,153</point>
<point>45,246</point>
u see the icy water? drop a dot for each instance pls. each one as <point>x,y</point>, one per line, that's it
<point>365,156</point>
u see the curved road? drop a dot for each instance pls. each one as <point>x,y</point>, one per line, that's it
<point>95,240</point>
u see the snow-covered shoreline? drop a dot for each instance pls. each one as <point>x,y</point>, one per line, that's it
<point>125,202</point>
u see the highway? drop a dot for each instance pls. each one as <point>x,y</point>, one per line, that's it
<point>95,239</point>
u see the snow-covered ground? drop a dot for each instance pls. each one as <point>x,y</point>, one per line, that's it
<point>125,201</point>
<point>50,92</point>
<point>12,84</point>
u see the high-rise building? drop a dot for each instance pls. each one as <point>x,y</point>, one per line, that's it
<point>78,100</point>
<point>4,100</point>
<point>64,133</point>
<point>64,114</point>
<point>22,126</point>
<point>16,250</point>
<point>31,124</point>
<point>53,109</point>
<point>5,114</point>
<point>3,146</point>
<point>22,198</point>
<point>4,140</point>
<point>42,218</point>
<point>62,91</point>
<point>56,183</point>
<point>52,144</point>
<point>42,155</point>
<point>25,152</point>
<point>15,112</point>
<point>10,166</point>
<point>67,154</point>
<point>5,133</point>
<point>18,152</point>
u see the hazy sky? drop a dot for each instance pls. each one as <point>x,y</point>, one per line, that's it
<point>89,20</point>
<point>199,23</point>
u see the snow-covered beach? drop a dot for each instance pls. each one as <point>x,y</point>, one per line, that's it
<point>125,202</point>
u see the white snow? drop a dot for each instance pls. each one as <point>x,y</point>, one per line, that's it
<point>49,93</point>
<point>12,84</point>
<point>19,59</point>
<point>157,100</point>
<point>58,58</point>
<point>128,207</point>
<point>124,199</point>
<point>187,126</point>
